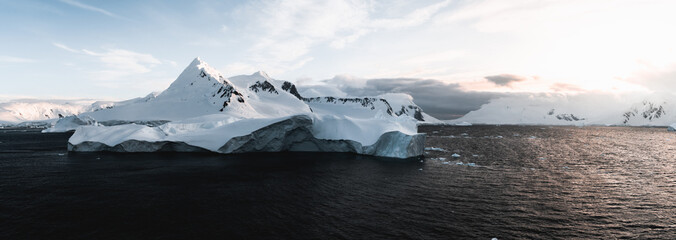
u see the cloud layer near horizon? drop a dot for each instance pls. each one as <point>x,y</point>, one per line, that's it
<point>439,99</point>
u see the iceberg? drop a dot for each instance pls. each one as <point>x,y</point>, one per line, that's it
<point>295,133</point>
<point>204,112</point>
<point>70,123</point>
<point>672,127</point>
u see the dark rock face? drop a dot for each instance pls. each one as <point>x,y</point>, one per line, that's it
<point>263,86</point>
<point>647,110</point>
<point>291,88</point>
<point>569,117</point>
<point>417,112</point>
<point>225,90</point>
<point>364,102</point>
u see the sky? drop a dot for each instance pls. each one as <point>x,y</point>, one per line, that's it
<point>451,56</point>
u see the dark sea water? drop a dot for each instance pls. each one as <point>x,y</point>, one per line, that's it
<point>509,182</point>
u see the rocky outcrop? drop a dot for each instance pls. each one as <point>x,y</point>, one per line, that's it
<point>647,110</point>
<point>569,117</point>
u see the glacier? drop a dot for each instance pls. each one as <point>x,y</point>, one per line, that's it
<point>202,111</point>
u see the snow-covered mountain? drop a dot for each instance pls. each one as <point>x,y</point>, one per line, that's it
<point>204,111</point>
<point>201,90</point>
<point>28,110</point>
<point>582,109</point>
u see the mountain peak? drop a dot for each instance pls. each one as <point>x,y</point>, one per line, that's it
<point>196,77</point>
<point>196,62</point>
<point>261,74</point>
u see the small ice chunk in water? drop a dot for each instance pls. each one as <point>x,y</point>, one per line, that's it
<point>61,154</point>
<point>464,134</point>
<point>446,162</point>
<point>532,137</point>
<point>420,169</point>
<point>421,160</point>
<point>542,158</point>
<point>463,124</point>
<point>455,155</point>
<point>474,155</point>
<point>435,149</point>
<point>459,163</point>
<point>442,159</point>
<point>494,238</point>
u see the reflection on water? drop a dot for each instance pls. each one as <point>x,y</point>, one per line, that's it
<point>514,182</point>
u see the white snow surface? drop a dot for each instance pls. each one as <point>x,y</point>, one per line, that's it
<point>207,110</point>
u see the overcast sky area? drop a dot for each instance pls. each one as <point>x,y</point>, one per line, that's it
<point>451,56</point>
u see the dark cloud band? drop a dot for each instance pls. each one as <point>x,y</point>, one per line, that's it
<point>439,99</point>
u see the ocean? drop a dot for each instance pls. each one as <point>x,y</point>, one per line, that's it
<point>475,182</point>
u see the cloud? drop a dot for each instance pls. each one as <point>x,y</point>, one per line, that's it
<point>288,30</point>
<point>439,99</point>
<point>10,59</point>
<point>90,8</point>
<point>566,87</point>
<point>64,47</point>
<point>417,17</point>
<point>119,62</point>
<point>505,79</point>
<point>124,62</point>
<point>655,78</point>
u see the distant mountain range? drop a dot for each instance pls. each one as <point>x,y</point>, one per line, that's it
<point>584,109</point>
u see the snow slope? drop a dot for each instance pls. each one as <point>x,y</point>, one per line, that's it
<point>208,112</point>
